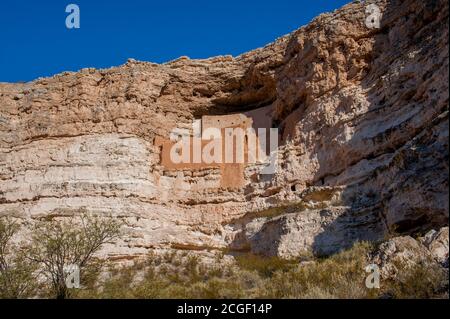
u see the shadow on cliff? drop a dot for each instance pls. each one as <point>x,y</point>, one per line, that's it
<point>394,166</point>
<point>405,187</point>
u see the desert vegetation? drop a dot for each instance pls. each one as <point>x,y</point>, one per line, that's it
<point>180,275</point>
<point>36,269</point>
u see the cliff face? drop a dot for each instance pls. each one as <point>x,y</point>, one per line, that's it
<point>363,153</point>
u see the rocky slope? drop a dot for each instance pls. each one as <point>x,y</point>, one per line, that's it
<point>396,254</point>
<point>363,121</point>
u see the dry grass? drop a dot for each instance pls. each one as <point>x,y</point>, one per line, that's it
<point>183,275</point>
<point>421,281</point>
<point>338,276</point>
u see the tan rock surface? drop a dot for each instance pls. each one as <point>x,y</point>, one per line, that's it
<point>400,252</point>
<point>362,113</point>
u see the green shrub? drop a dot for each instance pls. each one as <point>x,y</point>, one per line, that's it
<point>423,280</point>
<point>17,273</point>
<point>186,276</point>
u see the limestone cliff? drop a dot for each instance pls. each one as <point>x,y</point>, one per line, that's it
<point>363,153</point>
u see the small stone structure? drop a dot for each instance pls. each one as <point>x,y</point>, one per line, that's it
<point>214,127</point>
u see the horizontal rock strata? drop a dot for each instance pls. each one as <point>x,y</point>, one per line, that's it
<point>362,115</point>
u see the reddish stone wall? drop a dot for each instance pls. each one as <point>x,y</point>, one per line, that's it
<point>232,174</point>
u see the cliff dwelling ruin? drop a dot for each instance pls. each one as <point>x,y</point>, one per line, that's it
<point>233,141</point>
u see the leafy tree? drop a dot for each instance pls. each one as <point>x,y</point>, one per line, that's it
<point>57,244</point>
<point>17,273</point>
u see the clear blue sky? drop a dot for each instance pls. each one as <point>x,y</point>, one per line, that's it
<point>35,41</point>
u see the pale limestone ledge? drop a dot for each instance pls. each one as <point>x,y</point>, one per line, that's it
<point>362,113</point>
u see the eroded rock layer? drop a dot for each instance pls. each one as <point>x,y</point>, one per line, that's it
<point>363,121</point>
